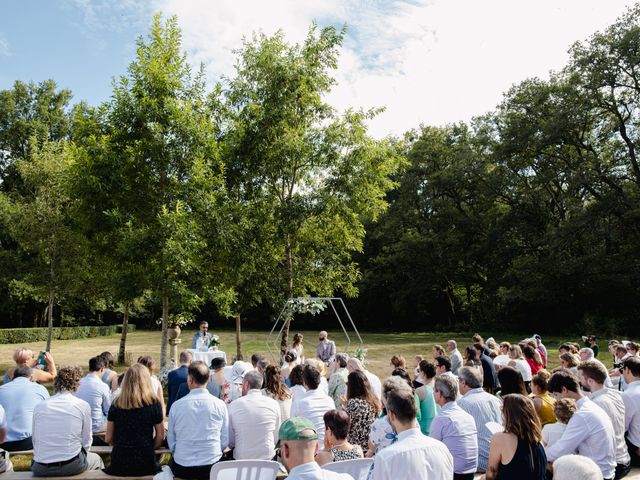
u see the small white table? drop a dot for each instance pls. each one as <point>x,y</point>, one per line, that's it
<point>207,356</point>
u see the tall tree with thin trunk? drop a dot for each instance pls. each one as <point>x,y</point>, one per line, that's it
<point>159,168</point>
<point>315,175</point>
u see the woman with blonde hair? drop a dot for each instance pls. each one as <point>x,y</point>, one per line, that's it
<point>134,417</point>
<point>517,453</point>
<point>518,362</point>
<point>24,356</point>
<point>570,361</point>
<point>156,386</point>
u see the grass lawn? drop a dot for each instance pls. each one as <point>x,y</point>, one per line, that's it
<point>380,347</point>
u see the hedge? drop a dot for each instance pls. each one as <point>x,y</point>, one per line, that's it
<point>27,335</point>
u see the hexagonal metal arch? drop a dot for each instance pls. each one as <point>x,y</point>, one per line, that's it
<point>326,300</point>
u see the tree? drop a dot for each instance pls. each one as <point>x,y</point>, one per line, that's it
<point>42,223</point>
<point>315,175</point>
<point>30,114</point>
<point>159,168</point>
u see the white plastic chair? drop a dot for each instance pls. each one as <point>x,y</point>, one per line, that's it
<point>245,470</point>
<point>358,468</point>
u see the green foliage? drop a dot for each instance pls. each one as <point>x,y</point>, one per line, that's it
<point>29,335</point>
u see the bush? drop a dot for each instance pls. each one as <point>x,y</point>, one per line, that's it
<point>27,335</point>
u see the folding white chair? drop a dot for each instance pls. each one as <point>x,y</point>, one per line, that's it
<point>245,470</point>
<point>358,468</point>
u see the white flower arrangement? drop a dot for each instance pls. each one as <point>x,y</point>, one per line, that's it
<point>215,341</point>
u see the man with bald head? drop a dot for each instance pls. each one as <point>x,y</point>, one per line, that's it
<point>326,349</point>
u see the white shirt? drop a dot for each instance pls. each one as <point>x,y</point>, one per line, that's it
<point>414,456</point>
<point>3,421</point>
<point>61,427</point>
<point>523,367</point>
<point>285,405</point>
<point>552,432</point>
<point>501,360</point>
<point>631,397</point>
<point>312,406</point>
<point>254,421</point>
<point>324,385</point>
<point>312,471</point>
<point>589,430</point>
<point>198,429</point>
<point>96,393</point>
<point>611,402</point>
<point>297,391</point>
<point>376,384</point>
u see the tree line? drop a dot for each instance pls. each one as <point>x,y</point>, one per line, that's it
<point>173,198</point>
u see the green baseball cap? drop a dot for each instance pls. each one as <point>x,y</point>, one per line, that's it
<point>292,429</point>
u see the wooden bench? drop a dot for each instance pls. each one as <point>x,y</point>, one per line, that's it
<point>100,450</point>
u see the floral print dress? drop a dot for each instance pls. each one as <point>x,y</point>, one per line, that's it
<point>362,416</point>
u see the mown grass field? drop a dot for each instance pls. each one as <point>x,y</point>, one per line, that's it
<point>380,346</point>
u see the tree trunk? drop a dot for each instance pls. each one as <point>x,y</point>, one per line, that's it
<point>287,321</point>
<point>123,335</point>
<point>165,323</point>
<point>238,339</point>
<point>49,320</point>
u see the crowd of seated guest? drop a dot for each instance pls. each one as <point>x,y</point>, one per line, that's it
<point>501,413</point>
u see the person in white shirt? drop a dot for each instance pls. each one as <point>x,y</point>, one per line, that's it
<point>455,428</point>
<point>589,431</point>
<point>502,360</point>
<point>587,355</point>
<point>254,420</point>
<point>353,365</point>
<point>198,428</point>
<point>98,395</point>
<point>482,406</point>
<point>455,356</point>
<point>314,403</point>
<point>631,397</point>
<point>298,446</point>
<point>593,376</point>
<point>62,430</point>
<point>414,456</point>
<point>5,463</point>
<point>563,411</point>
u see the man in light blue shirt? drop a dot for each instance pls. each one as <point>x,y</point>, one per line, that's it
<point>18,398</point>
<point>202,337</point>
<point>198,428</point>
<point>482,406</point>
<point>97,394</point>
<point>455,428</point>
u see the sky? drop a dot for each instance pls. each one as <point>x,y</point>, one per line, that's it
<point>428,62</point>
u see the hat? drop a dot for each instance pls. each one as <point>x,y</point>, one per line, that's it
<point>236,373</point>
<point>292,429</point>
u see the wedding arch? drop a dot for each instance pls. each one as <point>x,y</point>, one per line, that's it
<point>313,305</point>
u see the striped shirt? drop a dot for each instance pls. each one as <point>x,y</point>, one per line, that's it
<point>483,407</point>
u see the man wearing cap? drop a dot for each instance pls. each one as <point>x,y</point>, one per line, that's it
<point>298,446</point>
<point>326,349</point>
<point>198,428</point>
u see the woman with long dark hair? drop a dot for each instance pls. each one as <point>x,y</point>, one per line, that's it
<point>511,382</point>
<point>362,406</point>
<point>275,388</point>
<point>517,453</point>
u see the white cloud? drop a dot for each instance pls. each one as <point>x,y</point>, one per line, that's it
<point>428,62</point>
<point>5,51</point>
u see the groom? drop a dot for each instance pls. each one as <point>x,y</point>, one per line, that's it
<point>326,350</point>
<point>203,337</point>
